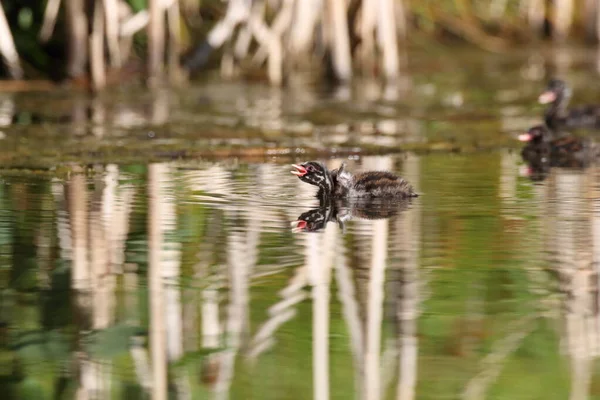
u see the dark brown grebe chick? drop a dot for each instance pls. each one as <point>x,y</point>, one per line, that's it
<point>558,94</point>
<point>343,184</point>
<point>557,149</point>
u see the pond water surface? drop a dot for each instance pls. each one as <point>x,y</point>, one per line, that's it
<point>148,249</point>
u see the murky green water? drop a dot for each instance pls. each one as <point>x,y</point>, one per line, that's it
<point>124,278</point>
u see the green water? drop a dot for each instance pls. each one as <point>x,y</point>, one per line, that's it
<point>146,248</point>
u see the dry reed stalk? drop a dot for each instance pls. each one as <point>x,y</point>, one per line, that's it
<point>387,39</point>
<point>536,12</point>
<point>191,7</point>
<point>77,202</point>
<point>237,12</point>
<point>77,27</point>
<point>125,44</point>
<point>589,19</point>
<point>402,26</point>
<point>597,20</point>
<point>156,41</point>
<point>307,15</point>
<point>367,34</point>
<point>99,119</point>
<point>228,66</point>
<point>497,9</point>
<point>7,48</point>
<point>563,18</point>
<point>97,62</point>
<point>174,47</point>
<point>131,25</point>
<point>50,15</point>
<point>111,24</point>
<point>470,32</point>
<point>269,40</point>
<point>244,39</point>
<point>342,60</point>
<point>134,23</point>
<point>242,43</point>
<point>281,24</point>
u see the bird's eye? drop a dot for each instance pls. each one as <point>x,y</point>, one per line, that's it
<point>310,168</point>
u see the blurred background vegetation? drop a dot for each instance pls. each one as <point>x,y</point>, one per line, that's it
<point>99,42</point>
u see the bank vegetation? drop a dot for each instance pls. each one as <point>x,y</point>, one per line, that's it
<point>100,42</point>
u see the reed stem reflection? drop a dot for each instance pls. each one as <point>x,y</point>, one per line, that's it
<point>230,287</point>
<point>409,225</point>
<point>157,178</point>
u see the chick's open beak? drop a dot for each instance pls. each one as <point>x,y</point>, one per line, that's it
<point>525,137</point>
<point>298,226</point>
<point>525,170</point>
<point>300,170</point>
<point>547,97</point>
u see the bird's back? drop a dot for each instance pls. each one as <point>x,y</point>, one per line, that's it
<point>380,184</point>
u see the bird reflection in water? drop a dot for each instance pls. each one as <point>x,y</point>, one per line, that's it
<point>342,210</point>
<point>343,195</point>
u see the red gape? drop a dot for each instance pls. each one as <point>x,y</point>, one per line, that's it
<point>300,170</point>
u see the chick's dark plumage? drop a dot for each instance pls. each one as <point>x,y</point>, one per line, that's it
<point>343,184</point>
<point>557,95</point>
<point>380,184</point>
<point>555,149</point>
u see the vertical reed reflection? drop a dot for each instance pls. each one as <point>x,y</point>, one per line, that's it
<point>171,273</point>
<point>94,211</point>
<point>370,276</point>
<point>409,224</point>
<point>93,242</point>
<point>164,272</point>
<point>594,195</point>
<point>239,268</point>
<point>45,242</point>
<point>98,117</point>
<point>350,312</point>
<point>157,179</point>
<point>79,232</point>
<point>572,231</point>
<point>7,110</point>
<point>81,276</point>
<point>508,179</point>
<point>399,358</point>
<point>6,245</point>
<point>159,113</point>
<point>319,258</point>
<point>79,114</point>
<point>374,316</point>
<point>102,284</point>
